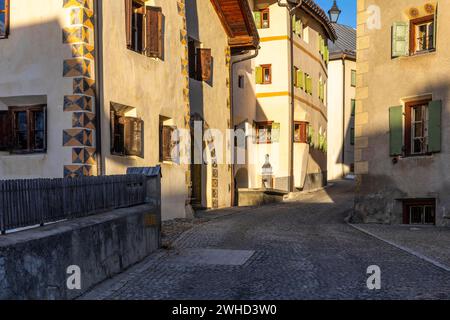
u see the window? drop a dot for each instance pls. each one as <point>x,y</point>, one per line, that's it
<point>353,80</point>
<point>419,211</point>
<point>262,18</point>
<point>241,82</point>
<point>414,37</point>
<point>301,132</point>
<point>264,74</point>
<point>144,26</point>
<point>353,106</point>
<point>352,136</point>
<point>200,61</point>
<point>168,143</point>
<point>23,129</point>
<point>267,132</point>
<point>126,134</point>
<point>422,34</point>
<point>4,18</point>
<point>421,133</point>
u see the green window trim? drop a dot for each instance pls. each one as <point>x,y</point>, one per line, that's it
<point>396,130</point>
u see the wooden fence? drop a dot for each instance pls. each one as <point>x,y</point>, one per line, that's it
<point>25,203</point>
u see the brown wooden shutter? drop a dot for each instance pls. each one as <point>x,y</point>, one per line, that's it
<point>133,136</point>
<point>204,64</point>
<point>166,143</point>
<point>128,20</point>
<point>5,130</point>
<point>154,32</point>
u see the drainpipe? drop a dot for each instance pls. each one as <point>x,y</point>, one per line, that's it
<point>233,63</point>
<point>291,112</point>
<point>344,56</point>
<point>98,85</point>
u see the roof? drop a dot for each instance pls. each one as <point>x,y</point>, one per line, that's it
<point>345,43</point>
<point>317,12</point>
<point>237,19</point>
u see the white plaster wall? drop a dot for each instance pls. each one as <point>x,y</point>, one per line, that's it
<point>31,64</point>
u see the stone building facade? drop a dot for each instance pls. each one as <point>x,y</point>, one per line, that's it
<point>402,112</point>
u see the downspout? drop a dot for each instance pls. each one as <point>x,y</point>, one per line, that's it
<point>233,63</point>
<point>98,85</point>
<point>291,12</point>
<point>343,115</point>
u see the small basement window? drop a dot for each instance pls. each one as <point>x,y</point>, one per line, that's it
<point>419,211</point>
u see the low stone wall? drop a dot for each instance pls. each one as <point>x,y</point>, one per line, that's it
<point>34,263</point>
<point>258,197</point>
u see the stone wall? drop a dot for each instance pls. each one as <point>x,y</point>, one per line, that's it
<point>34,264</point>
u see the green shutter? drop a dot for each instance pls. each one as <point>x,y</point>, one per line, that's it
<point>257,15</point>
<point>276,132</point>
<point>300,82</point>
<point>400,39</point>
<point>327,55</point>
<point>353,83</point>
<point>322,46</point>
<point>396,130</point>
<point>259,75</point>
<point>434,126</point>
<point>298,27</point>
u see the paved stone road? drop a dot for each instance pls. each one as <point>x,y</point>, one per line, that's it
<point>294,250</point>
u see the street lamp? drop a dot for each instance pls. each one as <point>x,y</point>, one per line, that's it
<point>334,13</point>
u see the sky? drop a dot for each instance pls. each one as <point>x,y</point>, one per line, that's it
<point>348,7</point>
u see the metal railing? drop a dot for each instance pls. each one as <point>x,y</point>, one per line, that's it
<point>25,203</point>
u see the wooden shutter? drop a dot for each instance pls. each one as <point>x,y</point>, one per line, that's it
<point>5,130</point>
<point>166,143</point>
<point>204,64</point>
<point>396,130</point>
<point>154,32</point>
<point>434,126</point>
<point>298,27</point>
<point>128,20</point>
<point>259,75</point>
<point>257,15</point>
<point>400,39</point>
<point>275,134</point>
<point>133,136</point>
<point>300,79</point>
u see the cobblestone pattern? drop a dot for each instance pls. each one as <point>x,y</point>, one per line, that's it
<point>303,250</point>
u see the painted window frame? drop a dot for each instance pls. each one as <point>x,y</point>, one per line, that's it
<point>263,125</point>
<point>413,25</point>
<point>302,127</point>
<point>31,129</point>
<point>267,67</point>
<point>408,204</point>
<point>409,136</point>
<point>6,12</point>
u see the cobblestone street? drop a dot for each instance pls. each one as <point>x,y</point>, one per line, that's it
<point>300,249</point>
